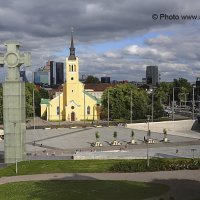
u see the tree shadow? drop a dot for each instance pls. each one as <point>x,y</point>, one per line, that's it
<point>180,189</point>
<point>53,188</point>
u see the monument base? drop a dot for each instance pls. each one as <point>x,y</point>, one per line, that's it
<point>14,121</point>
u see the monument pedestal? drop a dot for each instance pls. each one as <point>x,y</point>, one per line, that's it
<point>14,121</point>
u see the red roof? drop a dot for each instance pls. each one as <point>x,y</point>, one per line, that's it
<point>99,87</point>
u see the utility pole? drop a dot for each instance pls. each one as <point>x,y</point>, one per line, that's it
<point>193,102</point>
<point>33,109</point>
<point>84,104</point>
<point>59,108</point>
<point>108,107</point>
<point>152,104</point>
<point>148,118</point>
<point>173,106</point>
<point>131,107</point>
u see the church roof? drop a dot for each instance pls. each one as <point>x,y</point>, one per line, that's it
<point>98,87</point>
<point>44,101</point>
<point>93,97</point>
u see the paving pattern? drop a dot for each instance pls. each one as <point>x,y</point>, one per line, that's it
<point>64,142</point>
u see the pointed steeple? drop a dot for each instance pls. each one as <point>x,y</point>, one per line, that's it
<point>72,49</point>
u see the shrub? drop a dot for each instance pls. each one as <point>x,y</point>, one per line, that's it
<point>156,164</point>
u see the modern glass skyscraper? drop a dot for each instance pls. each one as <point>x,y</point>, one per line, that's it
<point>152,75</point>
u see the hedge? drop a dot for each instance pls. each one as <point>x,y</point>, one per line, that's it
<point>156,164</point>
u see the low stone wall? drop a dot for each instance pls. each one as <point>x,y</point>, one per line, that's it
<point>105,156</point>
<point>182,125</point>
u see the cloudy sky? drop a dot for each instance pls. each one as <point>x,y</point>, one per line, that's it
<point>112,37</point>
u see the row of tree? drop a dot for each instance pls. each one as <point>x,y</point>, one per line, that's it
<point>29,88</point>
<point>120,99</point>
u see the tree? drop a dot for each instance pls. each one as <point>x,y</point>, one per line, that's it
<point>182,90</point>
<point>29,103</point>
<point>132,134</point>
<point>115,135</point>
<point>162,92</point>
<point>165,132</point>
<point>120,102</point>
<point>29,87</point>
<point>92,79</point>
<point>38,94</point>
<point>97,135</point>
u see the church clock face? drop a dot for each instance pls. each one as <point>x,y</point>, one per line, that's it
<point>12,59</point>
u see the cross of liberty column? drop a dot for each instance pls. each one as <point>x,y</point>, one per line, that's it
<point>14,116</point>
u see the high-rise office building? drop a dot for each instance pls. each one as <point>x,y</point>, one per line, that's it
<point>59,73</point>
<point>56,73</point>
<point>198,88</point>
<point>152,75</point>
<point>52,73</point>
<point>105,79</point>
<point>42,77</point>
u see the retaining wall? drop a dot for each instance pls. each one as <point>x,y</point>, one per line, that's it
<point>182,125</point>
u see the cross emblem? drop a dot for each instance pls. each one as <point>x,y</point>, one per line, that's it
<point>13,58</point>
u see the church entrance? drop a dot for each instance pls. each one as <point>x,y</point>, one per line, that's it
<point>73,116</point>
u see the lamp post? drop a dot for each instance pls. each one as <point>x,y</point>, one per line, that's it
<point>33,109</point>
<point>193,102</point>
<point>152,102</point>
<point>84,104</point>
<point>131,106</point>
<point>59,108</point>
<point>173,105</point>
<point>108,107</point>
<point>148,118</point>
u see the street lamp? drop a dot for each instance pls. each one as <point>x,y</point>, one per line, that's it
<point>193,101</point>
<point>152,103</point>
<point>148,118</point>
<point>84,104</point>
<point>108,107</point>
<point>33,109</point>
<point>131,106</point>
<point>59,107</point>
<point>173,103</point>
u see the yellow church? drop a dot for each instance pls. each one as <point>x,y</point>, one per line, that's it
<point>74,103</point>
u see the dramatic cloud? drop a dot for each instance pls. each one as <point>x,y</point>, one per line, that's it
<point>44,29</point>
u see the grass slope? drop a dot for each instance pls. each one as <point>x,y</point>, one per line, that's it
<point>58,166</point>
<point>98,166</point>
<point>84,190</point>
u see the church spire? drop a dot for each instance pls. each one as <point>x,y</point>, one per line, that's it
<point>72,49</point>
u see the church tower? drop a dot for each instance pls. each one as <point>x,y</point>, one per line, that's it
<point>73,88</point>
<point>75,103</point>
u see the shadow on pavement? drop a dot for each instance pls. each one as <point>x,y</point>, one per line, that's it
<point>180,189</point>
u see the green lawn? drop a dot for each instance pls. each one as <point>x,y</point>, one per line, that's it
<point>84,190</point>
<point>98,166</point>
<point>58,166</point>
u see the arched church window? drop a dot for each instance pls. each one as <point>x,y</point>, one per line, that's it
<point>58,110</point>
<point>72,68</point>
<point>88,110</point>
